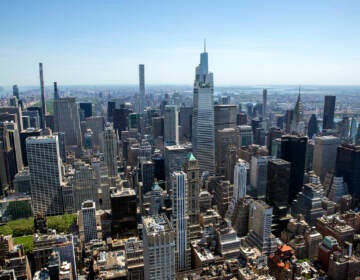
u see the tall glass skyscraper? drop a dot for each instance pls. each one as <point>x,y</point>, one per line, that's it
<point>203,134</point>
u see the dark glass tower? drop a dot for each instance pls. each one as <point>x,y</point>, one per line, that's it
<point>348,166</point>
<point>293,150</point>
<point>312,126</point>
<point>329,110</point>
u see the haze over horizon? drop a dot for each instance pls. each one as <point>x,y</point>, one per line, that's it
<point>249,42</point>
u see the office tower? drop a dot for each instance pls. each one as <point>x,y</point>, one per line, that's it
<point>16,91</point>
<point>124,216</point>
<point>171,125</point>
<point>34,119</point>
<point>348,165</point>
<point>147,175</point>
<point>353,129</point>
<point>224,116</point>
<point>240,174</point>
<point>223,195</point>
<point>88,220</point>
<point>67,120</point>
<point>293,150</point>
<point>88,139</point>
<point>26,121</point>
<point>120,118</point>
<point>45,174</point>
<point>159,248</point>
<point>96,124</point>
<point>309,203</point>
<point>110,150</point>
<point>145,150</point>
<point>273,133</point>
<point>157,127</point>
<point>224,139</point>
<point>309,158</point>
<point>241,118</point>
<point>180,219</point>
<point>240,218</point>
<point>141,95</point>
<point>22,181</point>
<point>337,190</point>
<point>313,127</point>
<point>278,184</point>
<point>7,160</point>
<point>86,108</point>
<point>246,135</point>
<point>12,113</point>
<point>155,199</point>
<point>258,175</point>
<point>264,104</point>
<point>67,193</point>
<point>30,132</point>
<point>134,121</point>
<point>329,111</point>
<point>259,136</point>
<point>185,121</point>
<point>84,184</point>
<point>191,168</point>
<point>203,131</point>
<point>175,157</point>
<point>159,168</point>
<point>297,123</point>
<point>110,109</point>
<point>289,115</point>
<point>239,189</point>
<point>231,156</point>
<point>43,103</point>
<point>56,92</point>
<point>260,221</point>
<point>324,158</point>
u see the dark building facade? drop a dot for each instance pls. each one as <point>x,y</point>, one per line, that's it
<point>278,182</point>
<point>329,110</point>
<point>293,150</point>
<point>110,108</point>
<point>124,215</point>
<point>313,128</point>
<point>348,166</point>
<point>85,109</point>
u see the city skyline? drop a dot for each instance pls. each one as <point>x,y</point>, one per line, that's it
<point>249,43</point>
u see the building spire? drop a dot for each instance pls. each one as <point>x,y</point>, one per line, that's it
<point>205,45</point>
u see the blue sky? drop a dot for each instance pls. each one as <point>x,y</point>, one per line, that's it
<point>249,42</point>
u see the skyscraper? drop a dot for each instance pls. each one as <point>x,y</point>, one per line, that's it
<point>123,209</point>
<point>84,184</point>
<point>224,116</point>
<point>45,174</point>
<point>348,165</point>
<point>110,150</point>
<point>180,219</point>
<point>293,150</point>
<point>240,175</point>
<point>278,183</point>
<point>329,110</point>
<point>88,217</point>
<point>313,128</point>
<point>324,157</point>
<point>159,248</point>
<point>297,123</point>
<point>260,221</point>
<point>191,168</point>
<point>239,189</point>
<point>43,103</point>
<point>246,135</point>
<point>67,120</point>
<point>171,125</point>
<point>141,96</point>
<point>264,102</point>
<point>203,136</point>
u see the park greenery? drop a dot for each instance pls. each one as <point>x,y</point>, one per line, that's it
<point>22,227</point>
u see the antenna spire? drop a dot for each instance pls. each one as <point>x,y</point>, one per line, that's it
<point>204,45</point>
